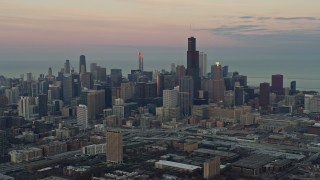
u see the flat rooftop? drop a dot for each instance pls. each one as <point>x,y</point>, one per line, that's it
<point>254,161</point>
<point>178,165</point>
<point>216,153</point>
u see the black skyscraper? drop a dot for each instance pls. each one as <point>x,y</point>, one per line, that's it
<point>238,96</point>
<point>43,107</point>
<point>193,63</point>
<point>293,87</point>
<point>225,71</point>
<point>264,98</point>
<point>116,77</point>
<point>82,65</point>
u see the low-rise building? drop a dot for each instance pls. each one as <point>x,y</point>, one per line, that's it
<point>162,164</point>
<point>54,148</point>
<point>94,149</point>
<point>22,155</point>
<point>186,146</point>
<point>252,165</point>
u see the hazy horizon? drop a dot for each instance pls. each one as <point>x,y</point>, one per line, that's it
<point>60,28</point>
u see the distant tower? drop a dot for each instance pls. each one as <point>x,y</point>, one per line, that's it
<point>165,81</point>
<point>173,68</point>
<point>238,94</point>
<point>50,72</point>
<point>141,61</point>
<point>180,72</point>
<point>225,71</point>
<point>3,144</point>
<point>67,88</point>
<point>116,77</point>
<point>170,98</point>
<point>114,146</point>
<point>29,77</point>
<point>43,107</point>
<point>67,67</point>
<point>293,87</point>
<point>264,98</point>
<point>96,103</point>
<point>82,116</point>
<point>186,89</point>
<point>203,64</point>
<point>218,83</point>
<point>82,65</point>
<point>193,63</point>
<point>277,84</point>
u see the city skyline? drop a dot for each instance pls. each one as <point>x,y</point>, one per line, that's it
<point>168,123</point>
<point>159,89</point>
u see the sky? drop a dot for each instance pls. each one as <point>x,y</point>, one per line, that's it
<point>63,29</point>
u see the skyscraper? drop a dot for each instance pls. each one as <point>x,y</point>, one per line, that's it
<point>96,103</point>
<point>3,145</point>
<point>264,98</point>
<point>82,116</point>
<point>114,146</point>
<point>86,80</point>
<point>277,84</point>
<point>93,67</point>
<point>225,71</point>
<point>28,107</point>
<point>185,103</point>
<point>67,69</point>
<point>116,77</point>
<point>43,105</point>
<point>43,87</point>
<point>82,65</point>
<point>293,87</point>
<point>186,95</point>
<point>67,88</point>
<point>127,90</point>
<point>170,98</point>
<point>76,85</point>
<point>218,86</point>
<point>151,90</point>
<point>186,85</point>
<point>193,63</point>
<point>173,68</point>
<point>140,90</point>
<point>140,56</point>
<point>29,77</point>
<point>180,72</point>
<point>203,64</point>
<point>165,81</point>
<point>238,94</point>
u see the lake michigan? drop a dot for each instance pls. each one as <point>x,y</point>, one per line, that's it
<point>305,72</point>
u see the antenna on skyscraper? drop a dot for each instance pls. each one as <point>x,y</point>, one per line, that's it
<point>191,30</point>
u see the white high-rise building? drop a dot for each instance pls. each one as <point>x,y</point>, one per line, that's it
<point>82,116</point>
<point>170,98</point>
<point>28,107</point>
<point>118,108</point>
<point>311,103</point>
<point>12,95</point>
<point>202,64</point>
<point>15,94</point>
<point>8,94</point>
